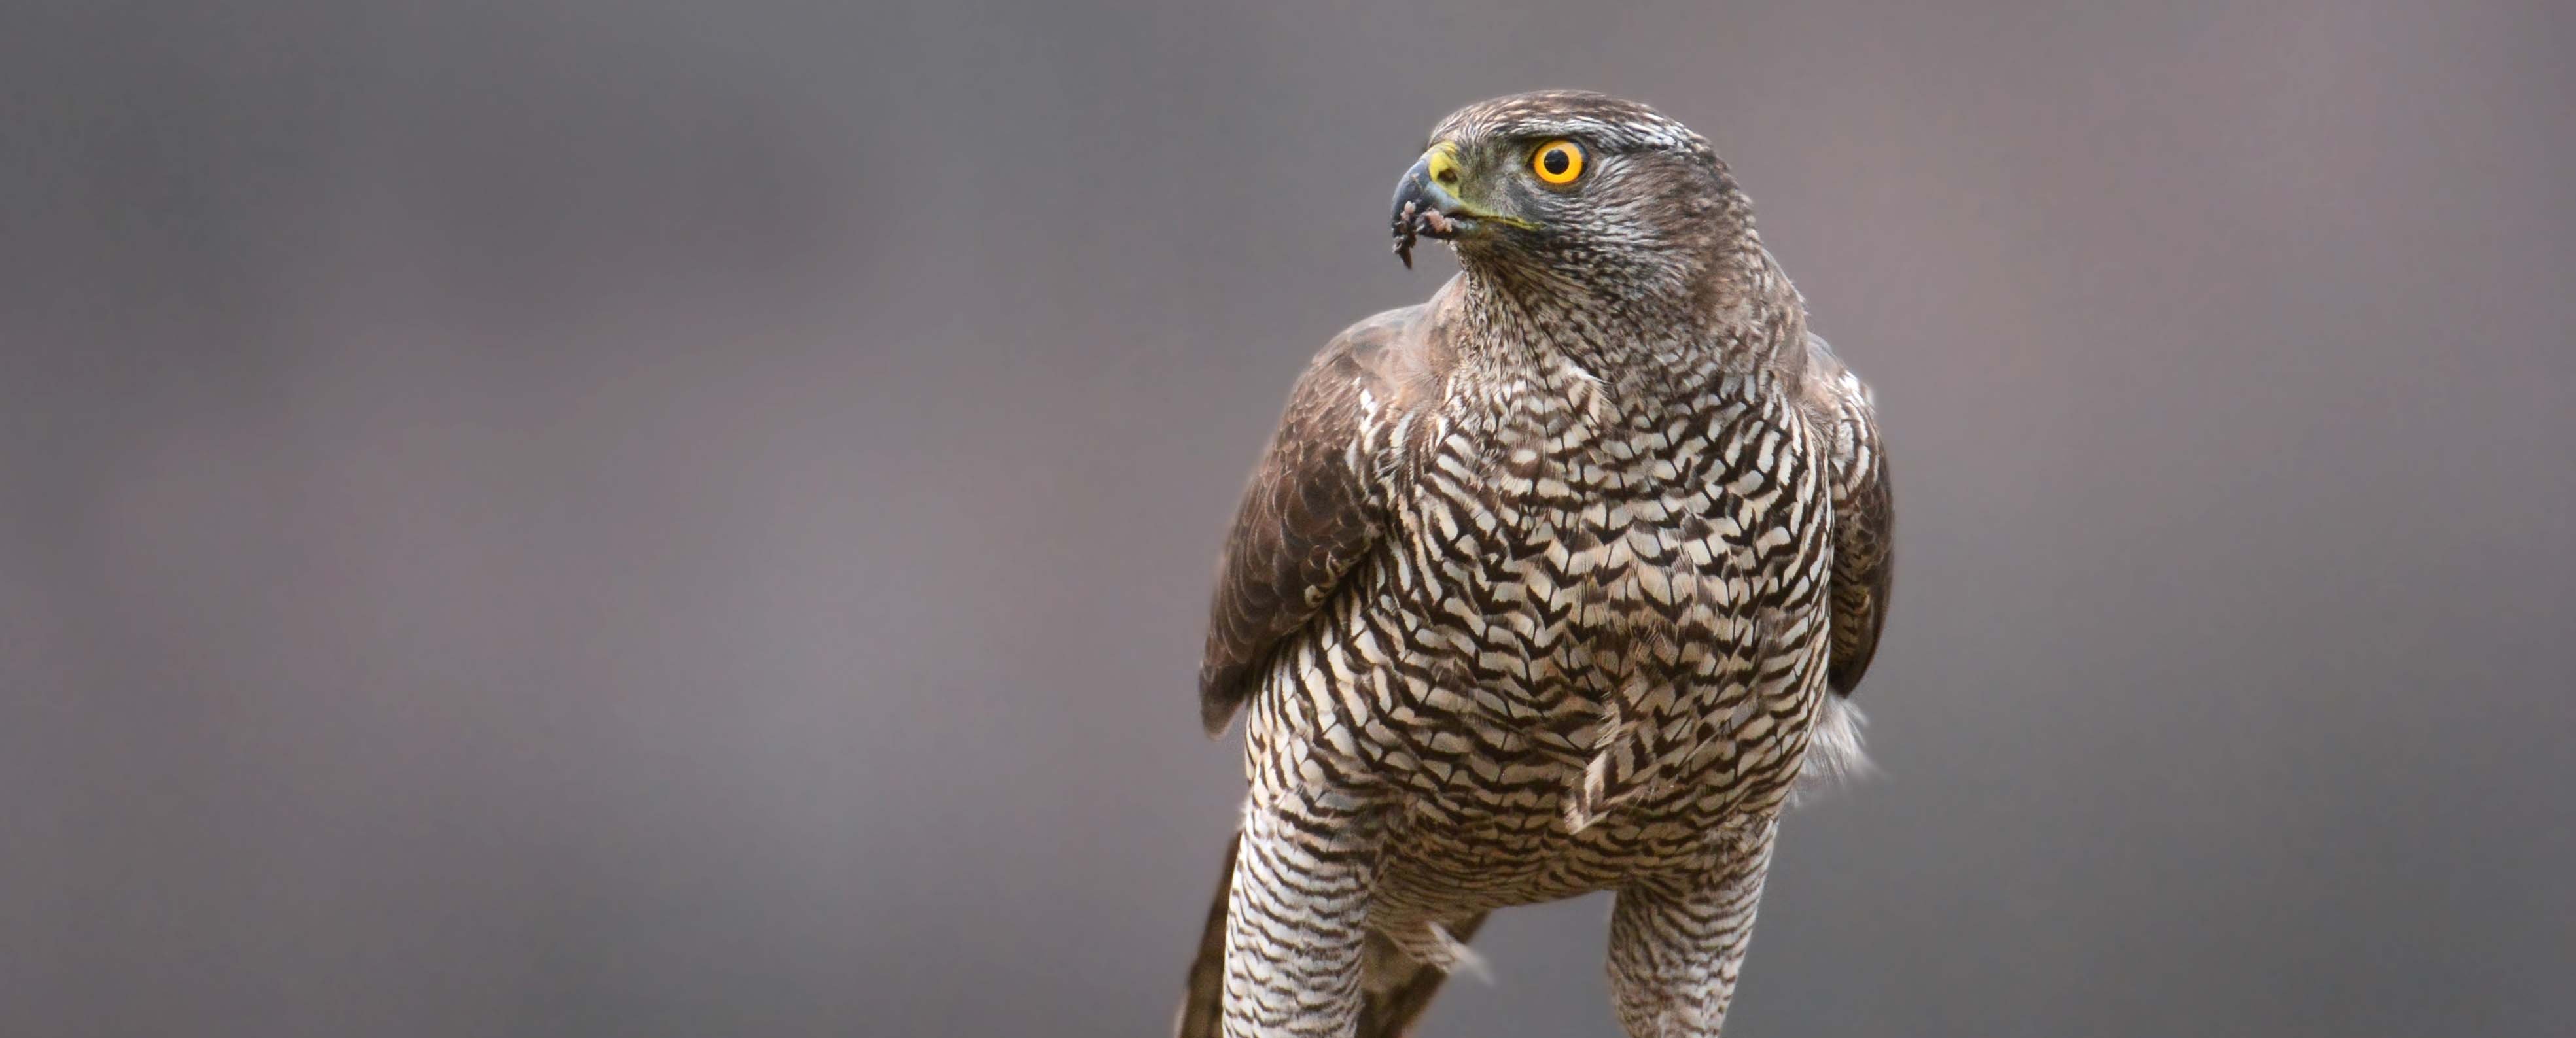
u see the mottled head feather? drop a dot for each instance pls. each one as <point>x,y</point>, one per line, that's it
<point>1650,249</point>
<point>1654,223</point>
<point>1608,122</point>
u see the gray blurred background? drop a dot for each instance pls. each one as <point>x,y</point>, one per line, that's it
<point>571,517</point>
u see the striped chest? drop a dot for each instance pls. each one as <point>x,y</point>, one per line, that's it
<point>1589,608</point>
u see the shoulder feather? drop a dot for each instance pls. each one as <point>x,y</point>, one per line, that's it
<point>1309,514</point>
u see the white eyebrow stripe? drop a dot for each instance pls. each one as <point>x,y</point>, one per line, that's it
<point>1606,124</point>
<point>1657,134</point>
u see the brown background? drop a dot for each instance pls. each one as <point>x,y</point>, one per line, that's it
<point>571,517</point>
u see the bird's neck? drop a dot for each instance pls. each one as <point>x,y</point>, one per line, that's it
<point>1523,327</point>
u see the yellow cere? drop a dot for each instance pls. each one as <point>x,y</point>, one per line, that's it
<point>1557,162</point>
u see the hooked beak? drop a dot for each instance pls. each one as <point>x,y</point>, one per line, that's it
<point>1426,205</point>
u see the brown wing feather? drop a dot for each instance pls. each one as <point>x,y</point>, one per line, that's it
<point>1863,517</point>
<point>1307,516</point>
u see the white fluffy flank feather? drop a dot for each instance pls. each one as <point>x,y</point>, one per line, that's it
<point>1834,753</point>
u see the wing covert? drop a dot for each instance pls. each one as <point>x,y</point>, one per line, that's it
<point>1863,513</point>
<point>1307,517</point>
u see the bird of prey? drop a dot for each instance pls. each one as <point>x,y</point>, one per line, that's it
<point>1555,583</point>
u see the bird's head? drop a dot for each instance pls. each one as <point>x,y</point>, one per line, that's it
<point>1574,188</point>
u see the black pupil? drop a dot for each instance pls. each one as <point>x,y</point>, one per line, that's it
<point>1555,161</point>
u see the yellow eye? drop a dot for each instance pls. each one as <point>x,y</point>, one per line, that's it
<point>1557,162</point>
